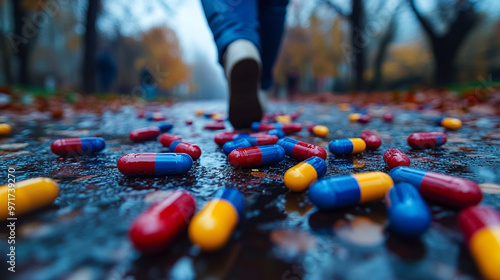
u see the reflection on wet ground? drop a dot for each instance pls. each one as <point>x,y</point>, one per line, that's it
<point>83,235</point>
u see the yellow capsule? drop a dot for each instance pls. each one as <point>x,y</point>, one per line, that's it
<point>320,130</point>
<point>283,119</point>
<point>27,196</point>
<point>451,123</point>
<point>485,248</point>
<point>200,113</point>
<point>212,227</point>
<point>354,117</point>
<point>301,176</point>
<point>344,107</point>
<point>5,129</point>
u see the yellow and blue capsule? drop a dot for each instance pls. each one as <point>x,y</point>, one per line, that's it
<point>347,146</point>
<point>302,175</point>
<point>349,190</point>
<point>212,227</point>
<point>27,195</point>
<point>409,215</point>
<point>449,123</point>
<point>239,143</point>
<point>5,129</point>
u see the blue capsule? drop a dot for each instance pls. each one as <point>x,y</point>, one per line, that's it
<point>409,215</point>
<point>277,132</point>
<point>165,127</point>
<point>228,147</point>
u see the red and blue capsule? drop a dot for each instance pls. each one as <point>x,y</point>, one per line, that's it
<point>155,116</point>
<point>240,143</point>
<point>301,150</point>
<point>440,188</point>
<point>347,146</point>
<point>77,146</point>
<point>301,176</point>
<point>481,231</point>
<point>167,139</point>
<point>154,164</point>
<point>212,227</point>
<point>180,147</point>
<point>277,132</point>
<point>262,140</point>
<point>144,134</point>
<point>258,126</point>
<point>157,227</point>
<point>426,140</point>
<point>449,123</point>
<point>349,190</point>
<point>256,156</point>
<point>371,139</point>
<point>223,137</point>
<point>409,215</point>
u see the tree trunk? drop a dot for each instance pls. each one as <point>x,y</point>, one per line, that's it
<point>382,52</point>
<point>90,46</point>
<point>358,42</point>
<point>445,54</point>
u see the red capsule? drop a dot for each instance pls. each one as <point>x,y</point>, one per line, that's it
<point>223,137</point>
<point>294,116</point>
<point>141,114</point>
<point>185,148</point>
<point>144,134</point>
<point>167,139</point>
<point>388,117</point>
<point>158,226</point>
<point>364,119</point>
<point>395,157</point>
<point>426,140</point>
<point>189,121</point>
<point>291,128</point>
<point>371,139</point>
<point>214,125</point>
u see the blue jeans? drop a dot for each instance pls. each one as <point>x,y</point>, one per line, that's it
<point>259,21</point>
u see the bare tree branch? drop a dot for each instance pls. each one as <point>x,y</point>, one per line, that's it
<point>337,8</point>
<point>425,23</point>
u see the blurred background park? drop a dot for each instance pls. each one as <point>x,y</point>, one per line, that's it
<point>163,49</point>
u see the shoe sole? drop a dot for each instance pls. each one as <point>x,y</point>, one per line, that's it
<point>244,105</point>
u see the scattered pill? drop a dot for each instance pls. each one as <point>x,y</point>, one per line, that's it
<point>449,123</point>
<point>239,143</point>
<point>294,116</point>
<point>408,214</point>
<point>154,164</point>
<point>29,195</point>
<point>301,150</point>
<point>283,119</point>
<point>349,190</point>
<point>364,119</point>
<point>388,117</point>
<point>167,139</point>
<point>258,126</point>
<point>144,134</point>
<point>371,139</point>
<point>5,129</point>
<point>347,146</point>
<point>481,231</point>
<point>212,227</point>
<point>165,127</point>
<point>291,128</point>
<point>214,125</point>
<point>199,113</point>
<point>318,130</point>
<point>155,116</point>
<point>395,157</point>
<point>277,132</point>
<point>426,140</point>
<point>224,137</point>
<point>354,117</point>
<point>77,146</point>
<point>180,147</point>
<point>262,140</point>
<point>256,156</point>
<point>189,122</point>
<point>301,176</point>
<point>158,226</point>
<point>440,188</point>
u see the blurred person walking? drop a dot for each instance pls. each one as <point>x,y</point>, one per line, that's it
<point>248,35</point>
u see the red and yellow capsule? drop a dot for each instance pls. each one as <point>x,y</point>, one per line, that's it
<point>481,230</point>
<point>29,195</point>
